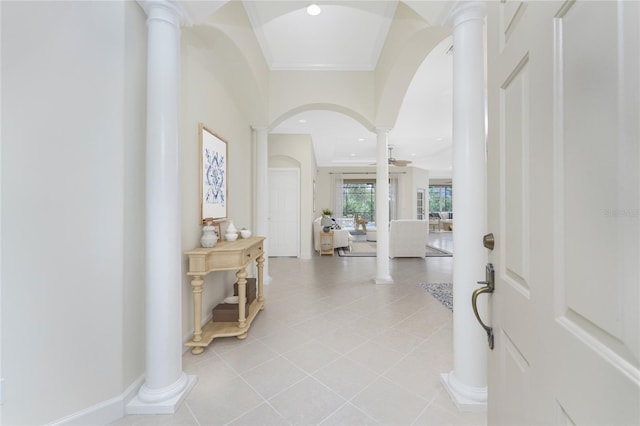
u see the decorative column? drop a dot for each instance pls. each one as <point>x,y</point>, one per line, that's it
<point>261,134</point>
<point>382,207</point>
<point>467,383</point>
<point>165,384</point>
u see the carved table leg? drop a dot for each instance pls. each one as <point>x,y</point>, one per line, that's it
<point>196,284</point>
<point>242,297</point>
<point>260,262</point>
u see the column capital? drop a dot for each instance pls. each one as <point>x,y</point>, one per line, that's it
<point>170,11</point>
<point>383,129</point>
<point>259,129</point>
<point>465,11</point>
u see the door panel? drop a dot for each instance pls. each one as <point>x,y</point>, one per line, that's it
<point>564,197</point>
<point>597,214</point>
<point>518,372</point>
<point>284,212</point>
<point>515,163</point>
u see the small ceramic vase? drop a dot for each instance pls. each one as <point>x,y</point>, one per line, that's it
<point>231,228</point>
<point>209,236</point>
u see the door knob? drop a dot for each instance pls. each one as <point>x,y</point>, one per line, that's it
<point>488,287</point>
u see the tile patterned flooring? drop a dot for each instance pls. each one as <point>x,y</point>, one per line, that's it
<point>332,348</point>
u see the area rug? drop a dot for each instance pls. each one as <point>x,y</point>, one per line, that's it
<point>359,249</point>
<point>442,292</point>
<point>436,252</point>
<point>368,249</point>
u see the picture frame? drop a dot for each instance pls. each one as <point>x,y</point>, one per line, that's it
<point>213,175</point>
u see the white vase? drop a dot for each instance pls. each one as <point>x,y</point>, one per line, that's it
<point>326,221</point>
<point>231,228</point>
<point>209,236</point>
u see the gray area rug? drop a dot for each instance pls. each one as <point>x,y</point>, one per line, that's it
<point>441,291</point>
<point>368,249</point>
<point>436,252</point>
<point>359,249</point>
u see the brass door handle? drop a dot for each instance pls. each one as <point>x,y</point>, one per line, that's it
<point>489,286</point>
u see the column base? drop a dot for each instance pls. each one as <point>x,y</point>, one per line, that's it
<point>169,405</point>
<point>465,397</point>
<point>383,280</point>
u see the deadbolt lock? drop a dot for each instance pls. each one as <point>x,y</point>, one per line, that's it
<point>488,241</point>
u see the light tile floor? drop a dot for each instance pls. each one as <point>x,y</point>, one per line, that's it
<point>332,348</point>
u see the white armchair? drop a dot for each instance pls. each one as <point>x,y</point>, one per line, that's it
<point>341,237</point>
<point>408,238</point>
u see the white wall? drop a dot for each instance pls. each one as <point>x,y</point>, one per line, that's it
<point>205,98</point>
<point>300,149</point>
<point>413,179</point>
<point>349,92</point>
<point>72,183</point>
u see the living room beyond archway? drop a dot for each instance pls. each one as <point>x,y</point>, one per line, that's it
<point>356,201</point>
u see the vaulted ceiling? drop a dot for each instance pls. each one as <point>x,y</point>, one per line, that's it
<point>349,35</point>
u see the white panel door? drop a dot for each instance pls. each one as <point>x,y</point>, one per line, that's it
<point>564,191</point>
<point>284,212</point>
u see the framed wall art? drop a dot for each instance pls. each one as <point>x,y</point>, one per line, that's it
<point>213,175</point>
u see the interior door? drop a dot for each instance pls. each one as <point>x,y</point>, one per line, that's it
<point>284,212</point>
<point>563,188</point>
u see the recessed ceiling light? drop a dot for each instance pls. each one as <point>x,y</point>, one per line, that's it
<point>361,139</point>
<point>314,10</point>
<point>353,155</point>
<point>302,121</point>
<point>438,139</point>
<point>413,154</point>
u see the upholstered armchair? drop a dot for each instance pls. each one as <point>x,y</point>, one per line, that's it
<point>408,238</point>
<point>341,237</point>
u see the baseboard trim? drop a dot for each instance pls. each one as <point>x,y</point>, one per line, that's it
<point>104,412</point>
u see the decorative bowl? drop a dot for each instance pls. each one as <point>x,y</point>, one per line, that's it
<point>230,236</point>
<point>245,233</point>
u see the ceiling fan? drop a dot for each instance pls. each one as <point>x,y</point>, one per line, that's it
<point>394,161</point>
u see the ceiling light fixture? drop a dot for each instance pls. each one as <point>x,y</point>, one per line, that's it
<point>314,10</point>
<point>302,121</point>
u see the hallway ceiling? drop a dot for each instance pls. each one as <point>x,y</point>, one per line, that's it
<point>349,35</point>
